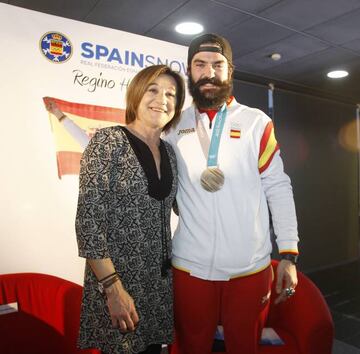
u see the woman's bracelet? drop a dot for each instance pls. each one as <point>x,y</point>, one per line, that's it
<point>107,277</point>
<point>102,285</point>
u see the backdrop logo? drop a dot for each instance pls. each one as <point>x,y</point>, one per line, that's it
<point>56,47</point>
<point>116,56</point>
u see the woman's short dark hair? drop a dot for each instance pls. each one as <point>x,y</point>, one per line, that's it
<point>141,82</point>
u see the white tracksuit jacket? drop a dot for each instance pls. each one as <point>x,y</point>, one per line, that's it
<point>225,234</point>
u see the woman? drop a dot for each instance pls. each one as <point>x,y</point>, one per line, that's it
<point>128,182</point>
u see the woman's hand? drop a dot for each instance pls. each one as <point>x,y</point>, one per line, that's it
<point>122,308</point>
<point>121,305</point>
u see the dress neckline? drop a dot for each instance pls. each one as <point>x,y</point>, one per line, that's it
<point>159,188</point>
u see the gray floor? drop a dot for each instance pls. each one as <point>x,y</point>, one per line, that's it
<point>339,348</point>
<point>344,348</point>
<point>341,289</point>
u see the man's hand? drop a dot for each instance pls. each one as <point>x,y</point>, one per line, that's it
<point>52,107</point>
<point>286,279</point>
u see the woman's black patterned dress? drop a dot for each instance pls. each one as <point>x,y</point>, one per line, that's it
<point>124,213</point>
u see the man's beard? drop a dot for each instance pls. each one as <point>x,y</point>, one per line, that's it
<point>210,98</point>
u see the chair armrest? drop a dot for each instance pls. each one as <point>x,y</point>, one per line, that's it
<point>50,305</point>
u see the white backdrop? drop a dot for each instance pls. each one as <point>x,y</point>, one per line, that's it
<point>37,208</point>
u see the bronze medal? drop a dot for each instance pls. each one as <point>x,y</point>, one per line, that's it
<point>212,179</point>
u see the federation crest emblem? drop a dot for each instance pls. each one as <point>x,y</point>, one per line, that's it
<point>56,47</point>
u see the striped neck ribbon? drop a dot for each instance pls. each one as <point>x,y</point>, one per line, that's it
<point>216,136</point>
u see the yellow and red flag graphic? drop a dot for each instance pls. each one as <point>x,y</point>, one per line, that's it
<point>73,125</point>
<point>235,133</point>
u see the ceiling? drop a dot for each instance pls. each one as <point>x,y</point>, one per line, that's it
<point>313,36</point>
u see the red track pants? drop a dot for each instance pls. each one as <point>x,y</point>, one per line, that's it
<point>240,305</point>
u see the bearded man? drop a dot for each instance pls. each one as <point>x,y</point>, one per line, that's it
<point>230,175</point>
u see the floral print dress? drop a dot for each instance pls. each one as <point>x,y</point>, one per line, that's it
<point>124,214</point>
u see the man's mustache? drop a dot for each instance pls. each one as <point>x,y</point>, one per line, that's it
<point>206,80</point>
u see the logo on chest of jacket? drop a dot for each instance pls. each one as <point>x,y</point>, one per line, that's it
<point>235,131</point>
<point>186,131</point>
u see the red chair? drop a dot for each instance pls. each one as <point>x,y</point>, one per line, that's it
<point>48,317</point>
<point>303,322</point>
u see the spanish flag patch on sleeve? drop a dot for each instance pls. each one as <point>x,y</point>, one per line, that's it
<point>268,147</point>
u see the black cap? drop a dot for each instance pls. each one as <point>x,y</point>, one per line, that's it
<point>222,46</point>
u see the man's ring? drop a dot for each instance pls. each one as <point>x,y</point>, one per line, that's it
<point>289,292</point>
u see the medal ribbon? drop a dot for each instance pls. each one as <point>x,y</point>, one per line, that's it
<point>211,149</point>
